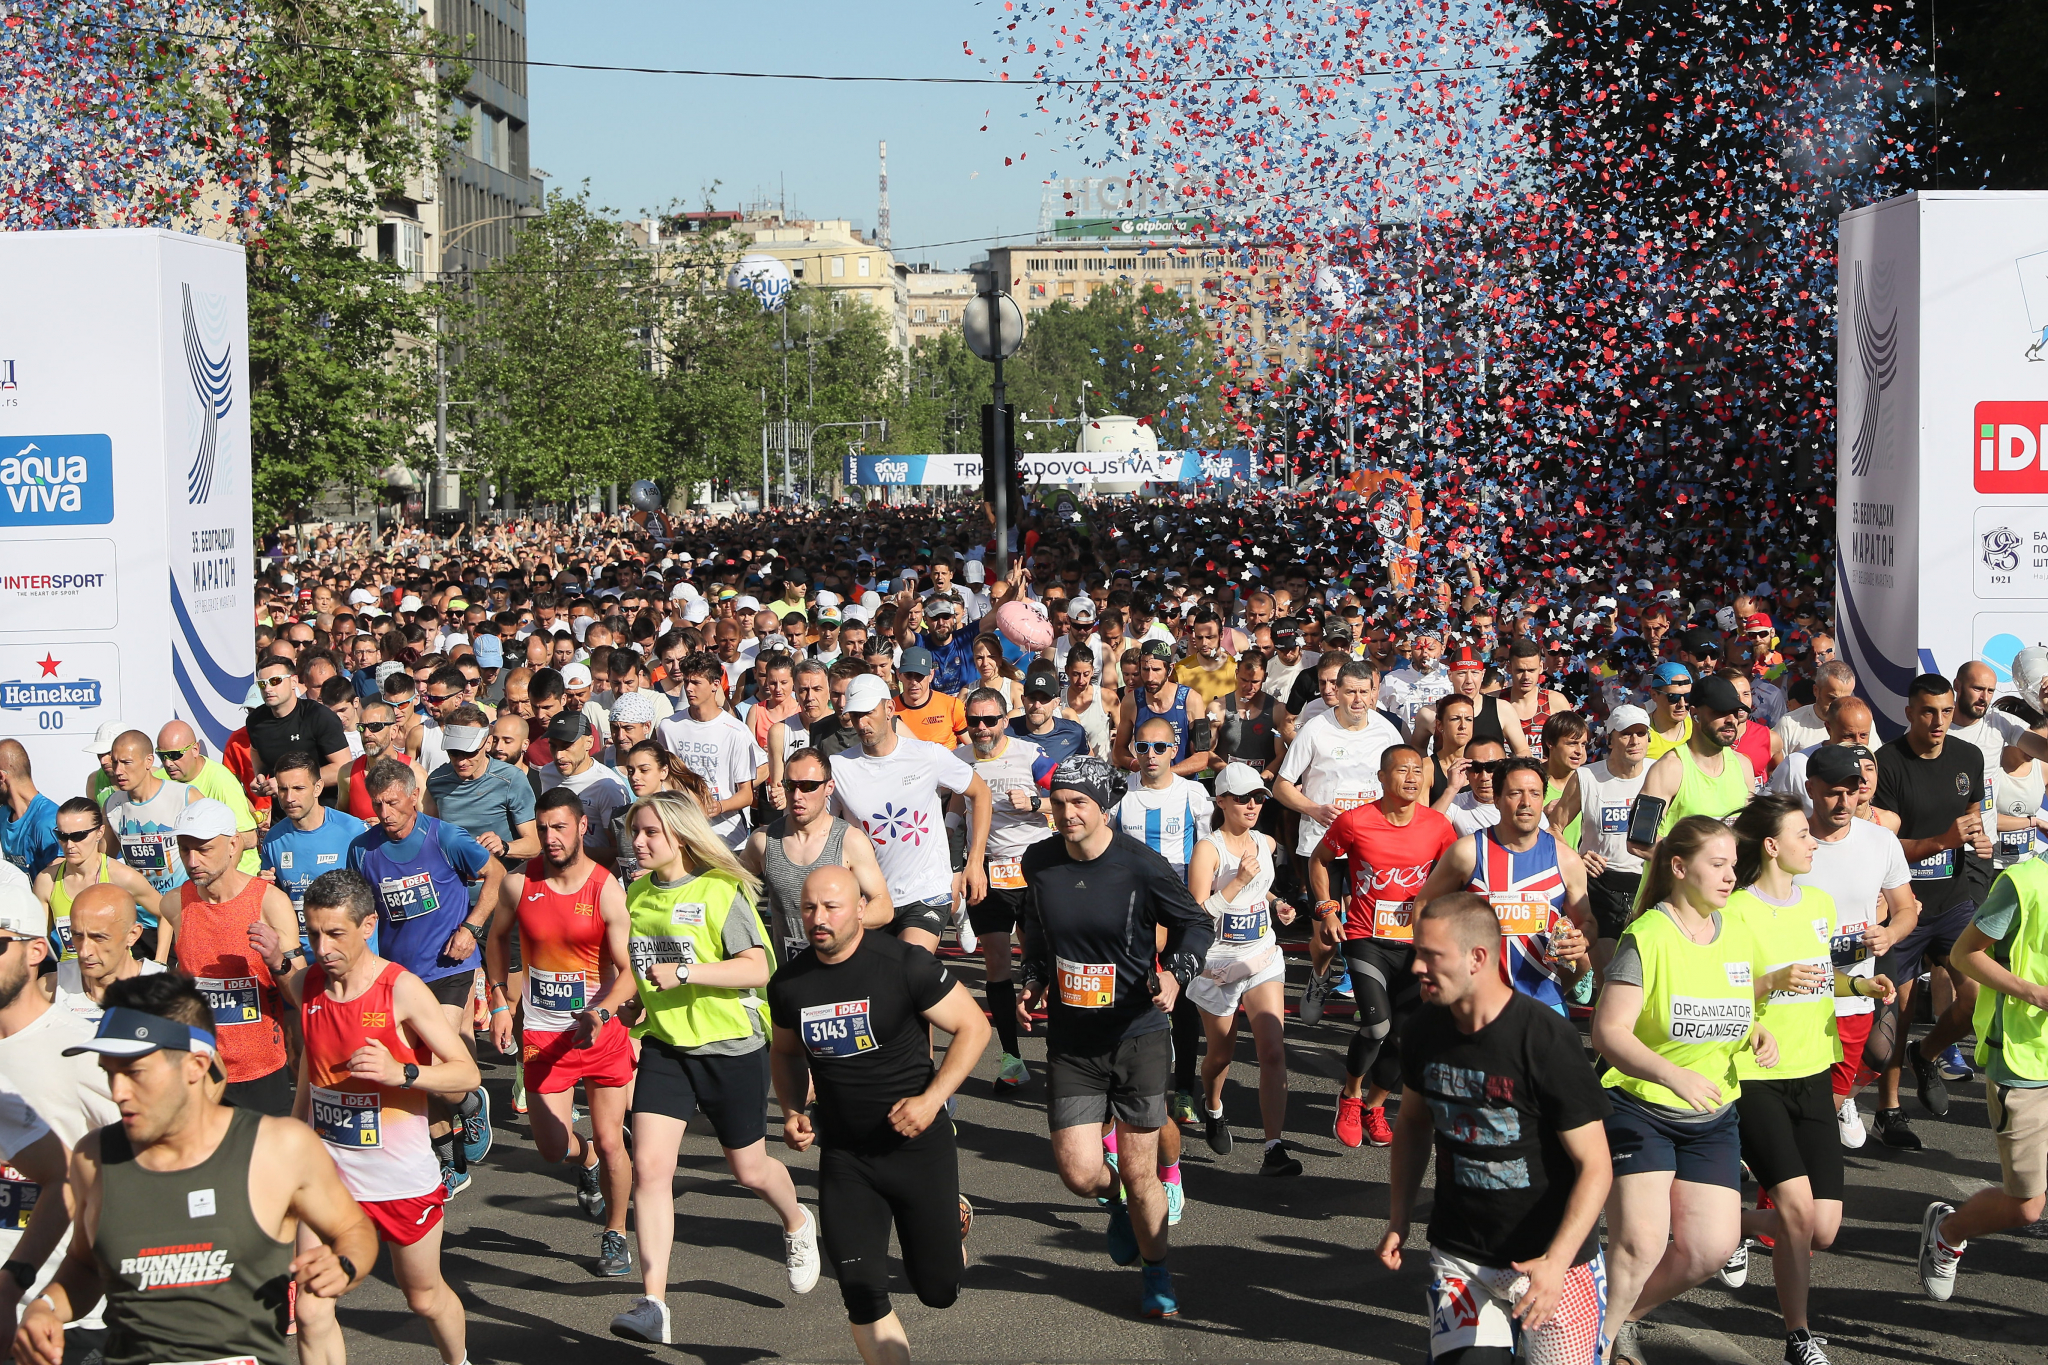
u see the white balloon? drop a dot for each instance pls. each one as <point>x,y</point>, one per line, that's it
<point>766,278</point>
<point>1339,290</point>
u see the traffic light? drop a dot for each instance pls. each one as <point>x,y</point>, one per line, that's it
<point>1010,467</point>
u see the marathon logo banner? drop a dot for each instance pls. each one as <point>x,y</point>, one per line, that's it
<point>964,471</point>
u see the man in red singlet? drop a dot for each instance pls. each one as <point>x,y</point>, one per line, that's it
<point>573,927</point>
<point>383,737</point>
<point>377,1043</point>
<point>213,941</point>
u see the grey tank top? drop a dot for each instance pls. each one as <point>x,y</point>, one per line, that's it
<point>785,881</point>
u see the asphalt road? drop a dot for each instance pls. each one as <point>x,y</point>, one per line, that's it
<point>1266,1269</point>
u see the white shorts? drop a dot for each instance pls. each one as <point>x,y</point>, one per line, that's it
<point>1212,997</point>
<point>1471,1305</point>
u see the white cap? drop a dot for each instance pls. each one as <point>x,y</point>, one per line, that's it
<point>576,675</point>
<point>104,737</point>
<point>976,572</point>
<point>206,819</point>
<point>21,914</point>
<point>865,693</point>
<point>635,708</point>
<point>1239,779</point>
<point>1081,609</point>
<point>698,610</point>
<point>1627,717</point>
<point>410,602</point>
<point>871,600</point>
<point>856,612</point>
<point>829,599</point>
<point>361,597</point>
<point>747,602</point>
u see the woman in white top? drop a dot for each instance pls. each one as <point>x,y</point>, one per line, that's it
<point>996,673</point>
<point>1084,702</point>
<point>1229,875</point>
<point>2017,789</point>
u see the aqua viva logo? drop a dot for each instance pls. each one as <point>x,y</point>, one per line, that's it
<point>56,481</point>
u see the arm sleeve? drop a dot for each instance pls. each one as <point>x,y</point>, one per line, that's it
<point>1297,760</point>
<point>1999,912</point>
<point>1886,797</point>
<point>742,925</point>
<point>1627,964</point>
<point>332,736</point>
<point>1567,1089</point>
<point>952,774</point>
<point>1189,930</point>
<point>1896,871</point>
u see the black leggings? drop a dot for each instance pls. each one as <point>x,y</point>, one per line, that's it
<point>1386,993</point>
<point>916,1187</point>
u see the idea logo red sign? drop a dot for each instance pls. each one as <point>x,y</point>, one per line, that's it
<point>2011,447</point>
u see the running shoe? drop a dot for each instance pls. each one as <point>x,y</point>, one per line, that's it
<point>1954,1066</point>
<point>1350,1126</point>
<point>1010,1073</point>
<point>590,1189</point>
<point>1121,1238</point>
<point>614,1254</point>
<point>1156,1300</point>
<point>519,1092</point>
<point>966,1217</point>
<point>1279,1161</point>
<point>453,1182</point>
<point>1181,1108</point>
<point>1895,1131</point>
<point>1763,1202</point>
<point>646,1320</point>
<point>1217,1129</point>
<point>1628,1346</point>
<point>1849,1124</point>
<point>1176,1201</point>
<point>476,1129</point>
<point>1927,1078</point>
<point>1734,1271</point>
<point>1377,1130</point>
<point>1938,1260</point>
<point>970,942</point>
<point>1314,995</point>
<point>1342,987</point>
<point>800,1254</point>
<point>1804,1348</point>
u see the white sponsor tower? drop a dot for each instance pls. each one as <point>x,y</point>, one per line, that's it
<point>1941,437</point>
<point>125,551</point>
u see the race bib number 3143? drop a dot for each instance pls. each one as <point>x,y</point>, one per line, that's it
<point>837,1030</point>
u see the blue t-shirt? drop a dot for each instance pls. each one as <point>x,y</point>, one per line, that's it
<point>1062,742</point>
<point>499,802</point>
<point>294,857</point>
<point>422,885</point>
<point>29,841</point>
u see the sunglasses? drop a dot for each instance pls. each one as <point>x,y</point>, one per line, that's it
<point>1157,746</point>
<point>981,722</point>
<point>172,755</point>
<point>1678,698</point>
<point>72,836</point>
<point>1249,798</point>
<point>375,726</point>
<point>806,785</point>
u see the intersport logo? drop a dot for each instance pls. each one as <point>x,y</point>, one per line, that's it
<point>2011,441</point>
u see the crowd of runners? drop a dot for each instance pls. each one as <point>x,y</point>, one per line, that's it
<point>1610,887</point>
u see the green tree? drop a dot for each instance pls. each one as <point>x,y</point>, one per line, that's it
<point>340,386</point>
<point>555,361</point>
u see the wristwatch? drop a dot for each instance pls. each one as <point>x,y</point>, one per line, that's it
<point>288,954</point>
<point>412,1073</point>
<point>682,973</point>
<point>475,930</point>
<point>604,1016</point>
<point>348,1267</point>
<point>24,1274</point>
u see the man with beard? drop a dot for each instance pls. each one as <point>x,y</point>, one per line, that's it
<point>1702,776</point>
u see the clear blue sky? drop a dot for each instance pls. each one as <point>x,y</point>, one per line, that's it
<point>643,141</point>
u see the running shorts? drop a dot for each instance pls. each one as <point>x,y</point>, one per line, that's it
<point>454,990</point>
<point>1788,1130</point>
<point>402,1222</point>
<point>2019,1125</point>
<point>1129,1081</point>
<point>1612,896</point>
<point>553,1063</point>
<point>997,913</point>
<point>930,916</point>
<point>1469,1310</point>
<point>1219,1001</point>
<point>916,1189</point>
<point>273,1094</point>
<point>730,1091</point>
<point>1705,1151</point>
<point>1929,943</point>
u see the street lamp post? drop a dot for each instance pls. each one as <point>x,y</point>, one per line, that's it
<point>994,336</point>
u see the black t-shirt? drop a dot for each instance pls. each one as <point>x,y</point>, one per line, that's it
<point>1089,933</point>
<point>309,727</point>
<point>1929,795</point>
<point>1498,1099</point>
<point>861,1023</point>
<point>833,736</point>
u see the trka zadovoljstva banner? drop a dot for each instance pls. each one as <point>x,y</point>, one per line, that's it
<point>1101,466</point>
<point>124,460</point>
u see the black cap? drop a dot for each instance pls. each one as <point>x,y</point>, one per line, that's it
<point>1042,677</point>
<point>1835,764</point>
<point>917,659</point>
<point>1699,641</point>
<point>568,727</point>
<point>1715,693</point>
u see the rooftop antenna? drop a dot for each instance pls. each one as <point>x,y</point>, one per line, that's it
<point>882,212</point>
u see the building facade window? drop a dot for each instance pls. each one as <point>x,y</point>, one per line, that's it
<point>945,315</point>
<point>838,267</point>
<point>917,315</point>
<point>862,270</point>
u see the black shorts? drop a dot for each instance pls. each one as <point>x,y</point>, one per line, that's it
<point>1788,1130</point>
<point>997,913</point>
<point>1130,1081</point>
<point>1702,1151</point>
<point>1929,942</point>
<point>1613,898</point>
<point>914,1188</point>
<point>731,1091</point>
<point>272,1095</point>
<point>930,916</point>
<point>455,990</point>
